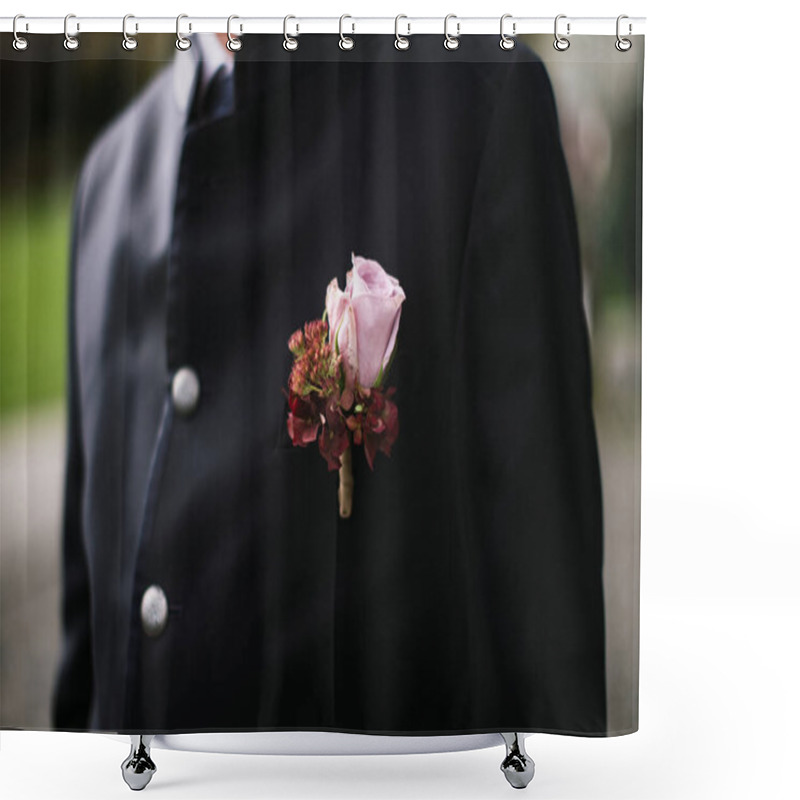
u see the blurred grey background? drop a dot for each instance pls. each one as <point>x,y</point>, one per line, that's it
<point>47,124</point>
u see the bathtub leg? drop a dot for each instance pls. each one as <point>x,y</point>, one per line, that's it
<point>517,766</point>
<point>138,767</point>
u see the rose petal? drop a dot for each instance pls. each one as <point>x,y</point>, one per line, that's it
<point>348,346</point>
<point>377,321</point>
<point>369,277</point>
<point>335,304</point>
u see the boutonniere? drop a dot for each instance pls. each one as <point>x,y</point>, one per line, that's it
<point>337,394</point>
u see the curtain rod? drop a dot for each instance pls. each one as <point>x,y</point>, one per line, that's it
<point>406,26</point>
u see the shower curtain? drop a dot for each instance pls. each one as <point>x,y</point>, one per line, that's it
<point>320,385</point>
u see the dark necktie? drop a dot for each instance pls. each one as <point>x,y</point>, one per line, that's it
<point>218,96</point>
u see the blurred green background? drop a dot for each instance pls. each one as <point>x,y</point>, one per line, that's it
<point>50,110</point>
<point>32,291</point>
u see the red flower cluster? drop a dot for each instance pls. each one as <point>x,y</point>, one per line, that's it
<point>320,407</point>
<point>373,421</point>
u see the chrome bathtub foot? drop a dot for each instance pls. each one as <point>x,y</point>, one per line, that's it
<point>138,767</point>
<point>517,766</point>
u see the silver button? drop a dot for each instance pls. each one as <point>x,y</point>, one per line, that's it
<point>185,390</point>
<point>154,610</point>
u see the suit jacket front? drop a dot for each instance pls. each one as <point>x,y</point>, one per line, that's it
<point>464,594</point>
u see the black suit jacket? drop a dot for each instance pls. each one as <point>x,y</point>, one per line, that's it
<point>464,594</point>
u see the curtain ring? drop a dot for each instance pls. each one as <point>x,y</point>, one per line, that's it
<point>20,42</point>
<point>451,42</point>
<point>506,42</point>
<point>561,43</point>
<point>401,42</point>
<point>346,42</point>
<point>182,43</point>
<point>623,45</point>
<point>70,42</point>
<point>289,43</point>
<point>128,42</point>
<point>234,43</point>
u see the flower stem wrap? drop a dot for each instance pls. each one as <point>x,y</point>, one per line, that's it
<point>346,484</point>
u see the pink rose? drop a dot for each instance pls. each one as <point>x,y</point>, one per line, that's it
<point>364,319</point>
